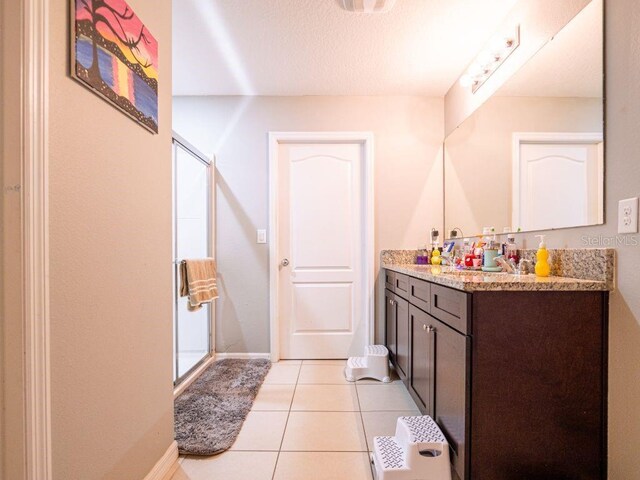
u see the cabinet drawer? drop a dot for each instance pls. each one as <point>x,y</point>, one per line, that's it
<point>450,306</point>
<point>420,293</point>
<point>401,285</point>
<point>389,280</point>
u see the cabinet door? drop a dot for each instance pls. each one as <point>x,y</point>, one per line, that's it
<point>422,343</point>
<point>451,356</point>
<point>402,336</point>
<point>390,321</point>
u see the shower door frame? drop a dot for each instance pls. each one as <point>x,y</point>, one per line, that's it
<point>179,142</point>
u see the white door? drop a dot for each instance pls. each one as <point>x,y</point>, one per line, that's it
<point>558,185</point>
<point>321,250</point>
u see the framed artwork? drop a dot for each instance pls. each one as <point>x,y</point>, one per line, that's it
<point>115,55</point>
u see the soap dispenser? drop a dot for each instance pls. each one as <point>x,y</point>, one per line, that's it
<point>542,259</point>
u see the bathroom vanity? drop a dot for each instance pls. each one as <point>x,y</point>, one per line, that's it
<point>512,368</point>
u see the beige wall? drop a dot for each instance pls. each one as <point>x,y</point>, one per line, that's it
<point>110,241</point>
<point>12,445</point>
<point>408,184</point>
<point>622,22</point>
<point>110,273</point>
<point>478,154</point>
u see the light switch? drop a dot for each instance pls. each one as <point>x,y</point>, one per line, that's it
<point>262,236</point>
<point>628,215</point>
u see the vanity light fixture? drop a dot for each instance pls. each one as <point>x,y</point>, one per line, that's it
<point>368,6</point>
<point>489,60</point>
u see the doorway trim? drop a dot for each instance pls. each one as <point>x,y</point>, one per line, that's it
<point>559,138</point>
<point>278,138</point>
<point>34,100</point>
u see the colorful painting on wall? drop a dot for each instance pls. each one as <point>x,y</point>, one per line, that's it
<point>115,55</point>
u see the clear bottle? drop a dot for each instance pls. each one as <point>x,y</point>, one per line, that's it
<point>512,249</point>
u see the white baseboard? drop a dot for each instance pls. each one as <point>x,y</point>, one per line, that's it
<point>220,356</point>
<point>166,466</point>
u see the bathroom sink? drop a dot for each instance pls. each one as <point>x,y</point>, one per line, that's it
<point>465,273</point>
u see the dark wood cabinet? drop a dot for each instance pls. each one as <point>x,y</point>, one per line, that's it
<point>397,332</point>
<point>402,337</point>
<point>516,380</point>
<point>391,324</point>
<point>451,396</point>
<point>422,373</point>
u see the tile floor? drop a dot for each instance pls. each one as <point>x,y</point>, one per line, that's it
<point>309,423</point>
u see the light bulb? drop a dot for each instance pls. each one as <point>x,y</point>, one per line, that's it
<point>475,69</point>
<point>466,80</point>
<point>485,59</point>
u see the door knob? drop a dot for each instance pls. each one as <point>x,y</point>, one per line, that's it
<point>284,262</point>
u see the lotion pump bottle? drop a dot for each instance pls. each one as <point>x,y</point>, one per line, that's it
<point>542,256</point>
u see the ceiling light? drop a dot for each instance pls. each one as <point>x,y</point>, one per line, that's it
<point>489,60</point>
<point>367,6</point>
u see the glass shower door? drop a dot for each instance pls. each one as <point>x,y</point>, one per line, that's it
<point>192,230</point>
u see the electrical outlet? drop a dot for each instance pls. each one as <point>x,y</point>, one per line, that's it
<point>262,236</point>
<point>628,215</point>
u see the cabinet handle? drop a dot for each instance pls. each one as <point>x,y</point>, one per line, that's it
<point>429,328</point>
<point>424,327</point>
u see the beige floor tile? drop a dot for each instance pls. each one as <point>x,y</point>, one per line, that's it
<point>384,397</point>
<point>180,474</point>
<point>324,432</point>
<point>230,466</point>
<point>288,362</point>
<point>325,398</point>
<point>323,466</point>
<point>274,397</point>
<point>395,380</point>
<point>325,362</point>
<point>378,424</point>
<point>322,375</point>
<point>261,431</point>
<point>282,375</point>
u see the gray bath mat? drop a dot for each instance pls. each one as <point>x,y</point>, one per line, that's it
<point>210,412</point>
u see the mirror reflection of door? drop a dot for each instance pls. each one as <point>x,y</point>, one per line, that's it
<point>557,180</point>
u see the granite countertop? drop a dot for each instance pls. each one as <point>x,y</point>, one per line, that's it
<point>471,281</point>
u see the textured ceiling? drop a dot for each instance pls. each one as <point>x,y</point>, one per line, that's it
<point>570,65</point>
<point>313,47</point>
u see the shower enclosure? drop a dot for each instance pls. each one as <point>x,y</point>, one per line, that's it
<point>193,238</point>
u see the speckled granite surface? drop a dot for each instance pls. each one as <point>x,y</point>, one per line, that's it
<point>401,257</point>
<point>572,269</point>
<point>583,263</point>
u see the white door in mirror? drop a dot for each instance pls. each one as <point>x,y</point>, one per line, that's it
<point>628,215</point>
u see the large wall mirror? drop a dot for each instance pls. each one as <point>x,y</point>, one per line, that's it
<point>532,156</point>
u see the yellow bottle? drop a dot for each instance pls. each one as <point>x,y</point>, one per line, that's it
<point>436,259</point>
<point>542,256</point>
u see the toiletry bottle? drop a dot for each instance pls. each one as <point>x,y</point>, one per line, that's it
<point>512,249</point>
<point>542,257</point>
<point>436,259</point>
<point>490,254</point>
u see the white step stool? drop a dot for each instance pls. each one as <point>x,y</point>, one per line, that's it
<point>418,451</point>
<point>375,364</point>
